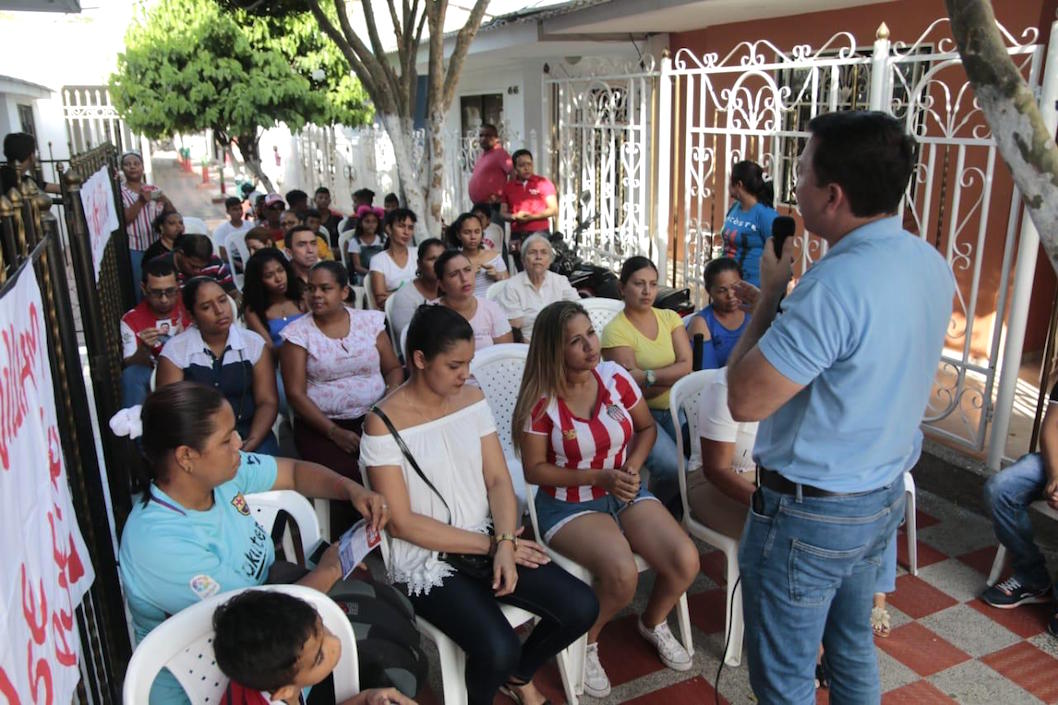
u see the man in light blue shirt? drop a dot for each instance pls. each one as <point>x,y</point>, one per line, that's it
<point>840,381</point>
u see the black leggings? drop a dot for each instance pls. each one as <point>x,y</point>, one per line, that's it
<point>467,611</point>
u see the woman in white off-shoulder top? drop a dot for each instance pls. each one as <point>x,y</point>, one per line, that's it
<point>448,430</point>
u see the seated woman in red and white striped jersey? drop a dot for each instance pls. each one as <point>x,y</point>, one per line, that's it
<point>584,431</point>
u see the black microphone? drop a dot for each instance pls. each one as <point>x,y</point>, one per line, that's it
<point>781,228</point>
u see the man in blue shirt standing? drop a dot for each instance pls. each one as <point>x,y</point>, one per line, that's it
<point>840,380</point>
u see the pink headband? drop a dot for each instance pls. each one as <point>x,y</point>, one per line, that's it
<point>362,210</point>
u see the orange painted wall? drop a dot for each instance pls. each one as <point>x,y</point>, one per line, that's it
<point>906,20</point>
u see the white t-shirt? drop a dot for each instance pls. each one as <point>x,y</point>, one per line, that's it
<point>520,299</point>
<point>482,282</point>
<point>405,302</point>
<point>448,451</point>
<point>716,424</point>
<point>492,238</point>
<point>225,230</point>
<point>489,322</point>
<point>393,275</point>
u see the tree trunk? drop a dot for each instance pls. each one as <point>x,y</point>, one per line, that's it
<point>401,133</point>
<point>433,176</point>
<point>251,157</point>
<point>1024,141</point>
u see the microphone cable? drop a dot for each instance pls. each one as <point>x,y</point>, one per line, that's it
<point>727,640</point>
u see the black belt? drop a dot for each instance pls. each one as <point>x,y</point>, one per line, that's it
<point>777,483</point>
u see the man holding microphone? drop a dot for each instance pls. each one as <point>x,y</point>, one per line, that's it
<point>840,380</point>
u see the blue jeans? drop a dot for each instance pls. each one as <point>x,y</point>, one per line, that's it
<point>467,611</point>
<point>135,385</point>
<point>886,582</point>
<point>809,569</point>
<point>664,471</point>
<point>136,259</point>
<point>1008,495</point>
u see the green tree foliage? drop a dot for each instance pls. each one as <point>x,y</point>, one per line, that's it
<point>189,66</point>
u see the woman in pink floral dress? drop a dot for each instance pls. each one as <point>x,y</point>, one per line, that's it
<point>336,363</point>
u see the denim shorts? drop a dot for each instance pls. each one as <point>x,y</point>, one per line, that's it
<point>552,514</point>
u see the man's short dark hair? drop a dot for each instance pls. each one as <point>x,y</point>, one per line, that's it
<point>194,245</point>
<point>868,154</point>
<point>288,236</point>
<point>521,153</point>
<point>311,213</point>
<point>158,267</point>
<point>365,193</point>
<point>18,146</point>
<point>322,189</point>
<point>490,127</point>
<point>295,198</point>
<point>391,198</point>
<point>259,636</point>
<point>231,201</point>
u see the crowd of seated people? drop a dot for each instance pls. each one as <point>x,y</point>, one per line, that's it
<point>377,393</point>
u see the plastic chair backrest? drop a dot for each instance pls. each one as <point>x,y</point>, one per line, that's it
<point>685,396</point>
<point>359,297</point>
<point>498,370</point>
<point>236,243</point>
<point>343,245</point>
<point>601,311</point>
<point>234,309</point>
<point>394,335</point>
<point>184,644</point>
<point>197,226</point>
<point>494,290</point>
<point>265,507</point>
<point>369,295</point>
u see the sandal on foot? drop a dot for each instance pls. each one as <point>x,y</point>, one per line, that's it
<point>880,621</point>
<point>510,690</point>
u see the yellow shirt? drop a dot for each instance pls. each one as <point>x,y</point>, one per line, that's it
<point>323,248</point>
<point>650,354</point>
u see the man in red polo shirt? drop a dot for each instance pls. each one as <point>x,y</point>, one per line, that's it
<point>491,169</point>
<point>529,203</point>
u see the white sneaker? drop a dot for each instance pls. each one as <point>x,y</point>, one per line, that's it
<point>596,684</point>
<point>670,651</point>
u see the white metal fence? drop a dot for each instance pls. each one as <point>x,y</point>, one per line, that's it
<point>649,152</point>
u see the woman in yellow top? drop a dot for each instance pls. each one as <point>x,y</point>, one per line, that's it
<point>652,345</point>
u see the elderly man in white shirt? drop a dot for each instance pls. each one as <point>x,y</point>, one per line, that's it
<point>528,292</point>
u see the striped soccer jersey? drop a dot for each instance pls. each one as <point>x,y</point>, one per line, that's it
<point>596,443</point>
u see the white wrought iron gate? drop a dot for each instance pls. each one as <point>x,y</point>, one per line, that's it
<point>755,103</point>
<point>602,156</point>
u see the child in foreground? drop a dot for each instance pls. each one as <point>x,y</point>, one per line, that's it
<point>274,647</point>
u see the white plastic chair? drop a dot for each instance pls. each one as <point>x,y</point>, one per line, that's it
<point>343,245</point>
<point>236,243</point>
<point>184,644</point>
<point>265,507</point>
<point>909,524</point>
<point>359,297</point>
<point>495,289</point>
<point>454,660</point>
<point>394,335</point>
<point>498,370</point>
<point>601,311</point>
<point>197,226</point>
<point>1000,561</point>
<point>685,395</point>
<point>369,296</point>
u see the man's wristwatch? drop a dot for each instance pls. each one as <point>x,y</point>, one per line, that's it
<point>651,376</point>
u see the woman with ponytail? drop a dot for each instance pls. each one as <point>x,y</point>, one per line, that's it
<point>747,225</point>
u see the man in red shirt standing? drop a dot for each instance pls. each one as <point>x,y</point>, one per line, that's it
<point>491,169</point>
<point>529,203</point>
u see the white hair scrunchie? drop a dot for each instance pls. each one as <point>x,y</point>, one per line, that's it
<point>127,422</point>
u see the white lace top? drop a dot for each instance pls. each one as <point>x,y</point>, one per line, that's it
<point>448,450</point>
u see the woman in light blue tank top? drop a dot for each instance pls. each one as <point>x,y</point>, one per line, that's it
<point>721,322</point>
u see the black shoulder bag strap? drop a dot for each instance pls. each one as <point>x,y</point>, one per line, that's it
<point>410,458</point>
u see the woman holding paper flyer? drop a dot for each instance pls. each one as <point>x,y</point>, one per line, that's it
<point>431,449</point>
<point>193,535</point>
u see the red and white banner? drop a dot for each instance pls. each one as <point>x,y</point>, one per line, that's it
<point>44,566</point>
<point>101,213</point>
